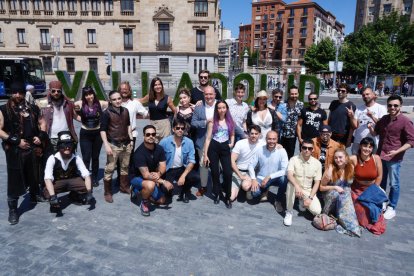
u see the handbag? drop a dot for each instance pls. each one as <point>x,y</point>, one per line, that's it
<point>324,222</point>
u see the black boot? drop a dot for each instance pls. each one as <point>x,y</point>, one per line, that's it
<point>13,213</point>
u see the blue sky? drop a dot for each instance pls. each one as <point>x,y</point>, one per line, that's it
<point>236,11</point>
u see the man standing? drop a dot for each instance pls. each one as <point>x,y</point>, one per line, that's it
<point>303,171</point>
<point>271,162</point>
<point>241,156</point>
<point>22,130</point>
<point>201,116</point>
<point>117,139</point>
<point>180,156</point>
<point>325,147</point>
<point>280,107</point>
<point>340,116</point>
<point>150,166</point>
<point>396,135</point>
<point>311,119</point>
<point>294,106</point>
<point>58,112</point>
<point>66,171</point>
<point>369,113</point>
<point>197,93</point>
<point>238,110</point>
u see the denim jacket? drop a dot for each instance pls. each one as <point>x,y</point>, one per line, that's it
<point>187,150</point>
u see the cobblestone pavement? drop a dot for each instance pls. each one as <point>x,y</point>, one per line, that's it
<point>198,238</point>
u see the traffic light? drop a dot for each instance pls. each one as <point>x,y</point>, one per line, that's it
<point>108,58</point>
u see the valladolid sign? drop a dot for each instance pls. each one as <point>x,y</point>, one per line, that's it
<point>73,88</point>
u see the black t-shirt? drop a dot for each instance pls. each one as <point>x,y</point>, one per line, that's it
<point>144,157</point>
<point>338,116</point>
<point>198,95</point>
<point>312,119</point>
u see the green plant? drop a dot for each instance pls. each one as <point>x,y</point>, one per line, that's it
<point>70,89</point>
<point>144,83</point>
<point>223,80</point>
<point>95,82</point>
<point>263,82</point>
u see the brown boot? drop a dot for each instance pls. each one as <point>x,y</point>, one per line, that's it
<point>124,184</point>
<point>108,191</point>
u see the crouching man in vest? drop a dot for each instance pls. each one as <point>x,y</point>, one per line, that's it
<point>66,171</point>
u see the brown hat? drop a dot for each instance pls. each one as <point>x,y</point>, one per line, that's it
<point>55,84</point>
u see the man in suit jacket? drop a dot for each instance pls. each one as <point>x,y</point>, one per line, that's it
<point>201,115</point>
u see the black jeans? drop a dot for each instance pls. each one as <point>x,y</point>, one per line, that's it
<point>91,144</point>
<point>289,144</point>
<point>192,178</point>
<point>219,153</point>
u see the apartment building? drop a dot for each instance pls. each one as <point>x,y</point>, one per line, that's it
<point>282,32</point>
<point>164,38</point>
<point>367,11</point>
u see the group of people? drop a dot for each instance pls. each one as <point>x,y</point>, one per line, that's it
<point>241,146</point>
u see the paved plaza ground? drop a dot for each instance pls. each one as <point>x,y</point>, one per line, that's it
<point>198,238</point>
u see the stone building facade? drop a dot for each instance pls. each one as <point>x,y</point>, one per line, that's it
<point>164,38</point>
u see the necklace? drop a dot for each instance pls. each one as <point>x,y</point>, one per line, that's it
<point>362,162</point>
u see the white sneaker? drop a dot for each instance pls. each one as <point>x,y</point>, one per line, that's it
<point>263,197</point>
<point>278,206</point>
<point>389,213</point>
<point>287,221</point>
<point>249,195</point>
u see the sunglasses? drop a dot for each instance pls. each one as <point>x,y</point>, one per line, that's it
<point>180,128</point>
<point>277,97</point>
<point>153,134</point>
<point>56,91</point>
<point>203,77</point>
<point>393,105</point>
<point>307,148</point>
<point>342,91</point>
<point>313,99</point>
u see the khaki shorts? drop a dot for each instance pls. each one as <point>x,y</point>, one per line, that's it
<point>236,180</point>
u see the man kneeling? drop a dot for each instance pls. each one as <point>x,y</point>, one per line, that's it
<point>62,174</point>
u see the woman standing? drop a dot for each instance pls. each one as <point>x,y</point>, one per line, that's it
<point>219,140</point>
<point>262,115</point>
<point>185,110</point>
<point>158,103</point>
<point>89,110</point>
<point>336,183</point>
<point>368,172</point>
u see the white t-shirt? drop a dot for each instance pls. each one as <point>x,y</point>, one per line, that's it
<point>177,161</point>
<point>210,111</point>
<point>363,119</point>
<point>134,107</point>
<point>246,151</point>
<point>59,122</point>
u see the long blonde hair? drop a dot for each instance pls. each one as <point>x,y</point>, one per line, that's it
<point>348,170</point>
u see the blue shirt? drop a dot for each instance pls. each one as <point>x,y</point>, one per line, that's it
<point>187,150</point>
<point>270,163</point>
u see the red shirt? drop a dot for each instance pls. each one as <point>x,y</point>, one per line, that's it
<point>394,133</point>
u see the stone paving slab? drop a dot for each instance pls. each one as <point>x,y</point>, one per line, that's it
<point>198,238</point>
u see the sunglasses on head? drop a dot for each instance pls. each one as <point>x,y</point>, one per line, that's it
<point>55,91</point>
<point>307,148</point>
<point>153,134</point>
<point>393,105</point>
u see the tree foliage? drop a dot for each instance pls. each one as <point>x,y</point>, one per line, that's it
<point>317,56</point>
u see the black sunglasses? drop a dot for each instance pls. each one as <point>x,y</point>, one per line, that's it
<point>307,148</point>
<point>393,105</point>
<point>313,99</point>
<point>204,77</point>
<point>153,134</point>
<point>341,90</point>
<point>180,128</point>
<point>55,91</point>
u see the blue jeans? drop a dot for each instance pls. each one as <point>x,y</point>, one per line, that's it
<point>391,170</point>
<point>280,182</point>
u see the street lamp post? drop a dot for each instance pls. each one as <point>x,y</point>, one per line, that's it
<point>56,48</point>
<point>339,39</point>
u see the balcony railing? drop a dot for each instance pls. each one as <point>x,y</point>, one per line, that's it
<point>108,13</point>
<point>60,12</point>
<point>164,47</point>
<point>48,12</point>
<point>200,49</point>
<point>128,13</point>
<point>200,14</point>
<point>84,13</point>
<point>13,12</point>
<point>96,13</point>
<point>37,12</point>
<point>45,46</point>
<point>72,13</point>
<point>24,12</point>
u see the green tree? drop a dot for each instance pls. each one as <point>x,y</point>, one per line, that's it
<point>317,56</point>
